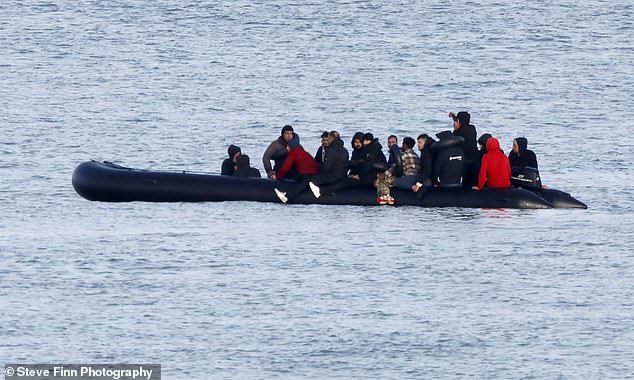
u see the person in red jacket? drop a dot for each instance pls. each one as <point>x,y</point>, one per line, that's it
<point>495,169</point>
<point>298,163</point>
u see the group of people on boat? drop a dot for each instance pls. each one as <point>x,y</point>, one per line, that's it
<point>457,160</point>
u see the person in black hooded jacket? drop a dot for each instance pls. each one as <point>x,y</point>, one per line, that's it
<point>334,169</point>
<point>244,169</point>
<point>229,164</point>
<point>472,157</point>
<point>521,157</point>
<point>358,154</point>
<point>373,164</point>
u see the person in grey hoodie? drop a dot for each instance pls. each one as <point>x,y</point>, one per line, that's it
<point>277,151</point>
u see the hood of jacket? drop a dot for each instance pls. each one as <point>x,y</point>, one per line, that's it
<point>493,145</point>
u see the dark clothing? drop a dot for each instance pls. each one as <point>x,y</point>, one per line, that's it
<point>298,161</point>
<point>495,170</point>
<point>427,163</point>
<point>525,158</point>
<point>319,156</point>
<point>244,169</point>
<point>356,161</point>
<point>228,167</point>
<point>390,160</point>
<point>373,164</point>
<point>449,161</point>
<point>471,154</point>
<point>335,168</point>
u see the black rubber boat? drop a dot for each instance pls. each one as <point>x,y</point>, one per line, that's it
<point>107,182</point>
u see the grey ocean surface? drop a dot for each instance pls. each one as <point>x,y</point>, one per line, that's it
<point>250,290</point>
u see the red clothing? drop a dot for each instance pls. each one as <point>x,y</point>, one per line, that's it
<point>495,169</point>
<point>300,160</point>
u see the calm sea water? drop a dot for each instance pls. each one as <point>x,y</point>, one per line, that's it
<point>248,290</point>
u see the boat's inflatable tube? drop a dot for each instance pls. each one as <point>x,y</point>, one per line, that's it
<point>107,182</point>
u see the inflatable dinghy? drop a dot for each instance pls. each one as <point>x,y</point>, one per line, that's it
<point>107,182</point>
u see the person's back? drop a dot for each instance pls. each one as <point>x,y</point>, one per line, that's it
<point>298,163</point>
<point>228,165</point>
<point>495,170</point>
<point>449,160</point>
<point>244,169</point>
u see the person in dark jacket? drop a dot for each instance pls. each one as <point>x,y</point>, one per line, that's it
<point>448,161</point>
<point>391,140</point>
<point>334,169</point>
<point>373,164</point>
<point>244,169</point>
<point>495,170</point>
<point>277,152</point>
<point>358,154</point>
<point>298,164</point>
<point>521,157</point>
<point>321,152</point>
<point>463,128</point>
<point>229,164</point>
<point>424,182</point>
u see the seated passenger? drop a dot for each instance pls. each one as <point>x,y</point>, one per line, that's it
<point>373,164</point>
<point>358,154</point>
<point>321,152</point>
<point>424,143</point>
<point>277,152</point>
<point>448,160</point>
<point>495,170</point>
<point>244,169</point>
<point>391,140</point>
<point>228,165</point>
<point>410,166</point>
<point>524,170</point>
<point>298,164</point>
<point>334,169</point>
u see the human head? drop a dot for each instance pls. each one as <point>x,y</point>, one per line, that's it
<point>520,144</point>
<point>421,140</point>
<point>287,133</point>
<point>482,141</point>
<point>324,138</point>
<point>233,151</point>
<point>493,145</point>
<point>333,135</point>
<point>368,138</point>
<point>357,141</point>
<point>461,119</point>
<point>408,143</point>
<point>293,143</point>
<point>391,140</point>
<point>243,161</point>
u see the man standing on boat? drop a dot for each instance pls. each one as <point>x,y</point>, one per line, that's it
<point>277,151</point>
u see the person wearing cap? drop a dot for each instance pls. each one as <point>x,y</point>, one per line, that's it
<point>495,170</point>
<point>298,164</point>
<point>244,169</point>
<point>277,152</point>
<point>462,127</point>
<point>228,165</point>
<point>321,152</point>
<point>334,169</point>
